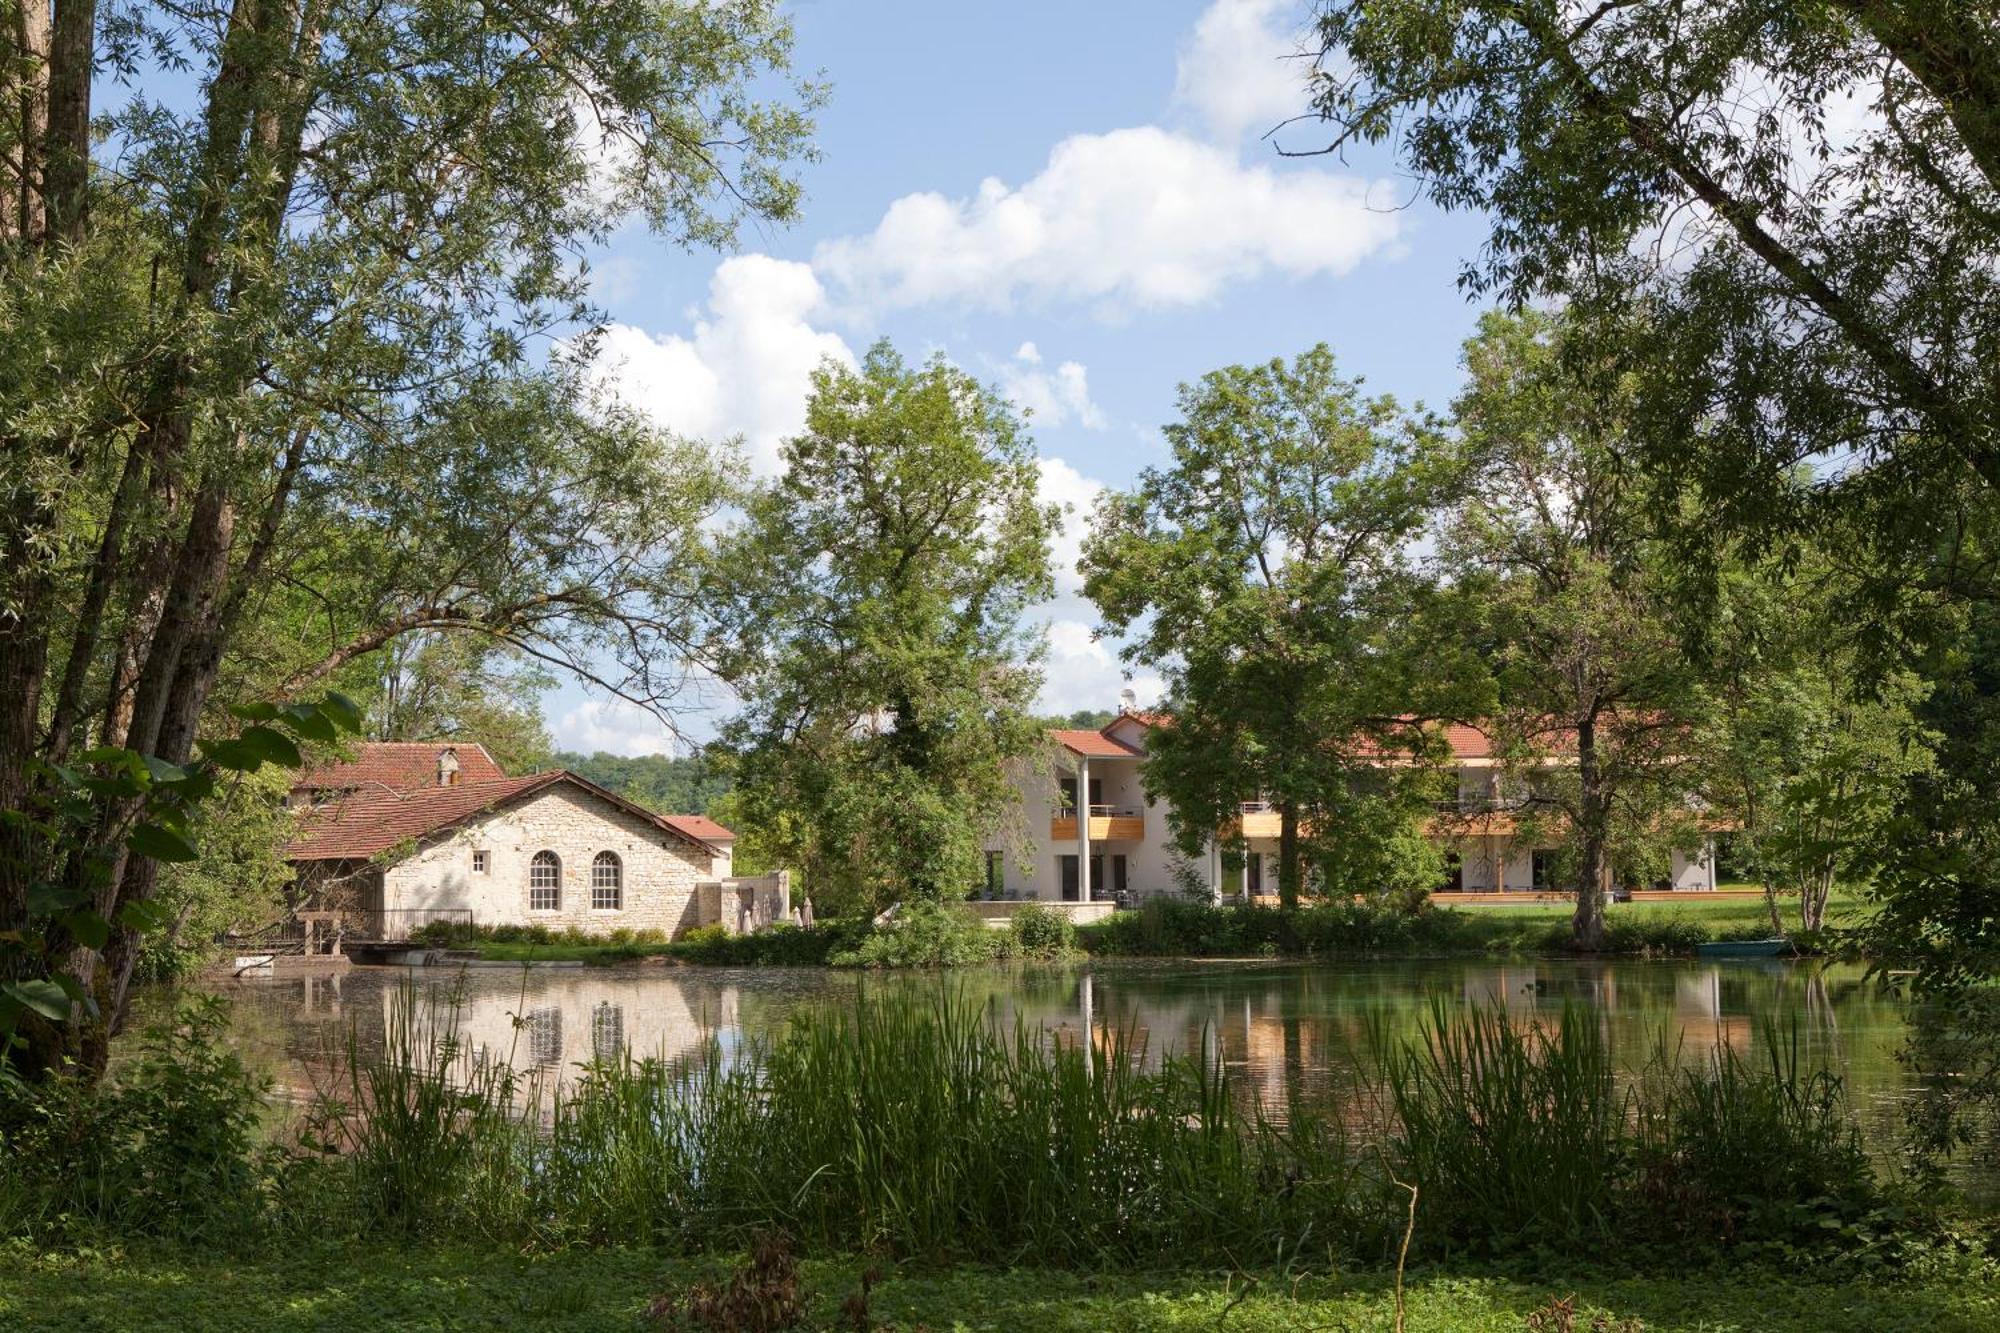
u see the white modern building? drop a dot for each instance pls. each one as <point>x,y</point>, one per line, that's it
<point>1086,831</point>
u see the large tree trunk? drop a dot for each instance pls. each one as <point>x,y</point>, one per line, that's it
<point>1290,869</point>
<point>1592,811</point>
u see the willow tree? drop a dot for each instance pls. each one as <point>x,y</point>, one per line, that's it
<point>1800,197</point>
<point>1266,573</point>
<point>288,335</point>
<point>874,628</point>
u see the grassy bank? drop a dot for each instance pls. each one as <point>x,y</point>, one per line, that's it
<point>327,1288</point>
<point>1166,928</point>
<point>1191,929</point>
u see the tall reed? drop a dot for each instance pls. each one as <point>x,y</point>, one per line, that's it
<point>925,1125</point>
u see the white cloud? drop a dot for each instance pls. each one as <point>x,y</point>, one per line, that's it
<point>745,370</point>
<point>614,726</point>
<point>1242,68</point>
<point>1053,397</point>
<point>1082,672</point>
<point>1061,484</point>
<point>1137,218</point>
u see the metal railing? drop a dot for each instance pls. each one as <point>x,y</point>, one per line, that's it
<point>398,923</point>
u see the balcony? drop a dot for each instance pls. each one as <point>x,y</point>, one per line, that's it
<point>1254,819</point>
<point>1108,823</point>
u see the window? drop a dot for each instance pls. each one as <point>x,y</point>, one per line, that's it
<point>996,873</point>
<point>480,864</point>
<point>1066,868</point>
<point>1118,884</point>
<point>607,883</point>
<point>1546,868</point>
<point>545,1036</point>
<point>544,883</point>
<point>607,1033</point>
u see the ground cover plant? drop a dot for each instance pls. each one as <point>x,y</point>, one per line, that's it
<point>609,1289</point>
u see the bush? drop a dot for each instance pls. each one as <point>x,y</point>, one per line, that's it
<point>778,945</point>
<point>167,1150</point>
<point>927,934</point>
<point>1042,933</point>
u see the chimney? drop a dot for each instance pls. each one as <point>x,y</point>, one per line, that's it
<point>448,767</point>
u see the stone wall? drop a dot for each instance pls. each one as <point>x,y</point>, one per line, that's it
<point>660,870</point>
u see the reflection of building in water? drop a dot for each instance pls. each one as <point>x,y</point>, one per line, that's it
<point>555,1025</point>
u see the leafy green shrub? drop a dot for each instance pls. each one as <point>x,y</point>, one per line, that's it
<point>777,945</point>
<point>1042,932</point>
<point>167,1150</point>
<point>927,934</point>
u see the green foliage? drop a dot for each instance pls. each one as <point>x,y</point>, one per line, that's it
<point>1041,932</point>
<point>927,934</point>
<point>166,1150</point>
<point>46,1000</point>
<point>437,686</point>
<point>874,628</point>
<point>237,883</point>
<point>1181,928</point>
<point>676,786</point>
<point>1518,1137</point>
<point>927,1127</point>
<point>369,1285</point>
<point>1803,303</point>
<point>1266,572</point>
<point>1553,564</point>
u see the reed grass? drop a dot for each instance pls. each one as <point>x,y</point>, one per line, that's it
<point>926,1125</point>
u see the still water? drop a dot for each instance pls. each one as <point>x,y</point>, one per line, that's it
<point>1288,1033</point>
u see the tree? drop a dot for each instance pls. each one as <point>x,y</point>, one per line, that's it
<point>674,786</point>
<point>1266,573</point>
<point>1799,197</point>
<point>1552,557</point>
<point>430,685</point>
<point>290,348</point>
<point>874,630</point>
<point>1811,751</point>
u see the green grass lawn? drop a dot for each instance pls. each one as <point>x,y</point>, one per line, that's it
<point>420,1288</point>
<point>1715,912</point>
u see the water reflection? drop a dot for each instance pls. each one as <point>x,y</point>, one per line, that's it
<point>1290,1034</point>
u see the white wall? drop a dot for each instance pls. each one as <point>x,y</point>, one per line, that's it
<point>660,870</point>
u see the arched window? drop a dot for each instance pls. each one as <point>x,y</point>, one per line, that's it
<point>607,883</point>
<point>544,883</point>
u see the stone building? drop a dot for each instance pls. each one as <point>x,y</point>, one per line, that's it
<point>403,835</point>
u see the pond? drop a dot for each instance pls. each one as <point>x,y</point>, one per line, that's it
<point>1287,1032</point>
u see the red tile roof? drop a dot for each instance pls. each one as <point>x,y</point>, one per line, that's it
<point>400,766</point>
<point>1094,745</point>
<point>371,822</point>
<point>700,826</point>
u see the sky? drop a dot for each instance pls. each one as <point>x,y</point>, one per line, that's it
<point>1082,204</point>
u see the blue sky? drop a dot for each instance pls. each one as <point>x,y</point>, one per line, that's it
<point>1071,201</point>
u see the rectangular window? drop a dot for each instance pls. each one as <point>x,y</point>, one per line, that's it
<point>479,862</point>
<point>1118,873</point>
<point>1545,869</point>
<point>996,873</point>
<point>1066,794</point>
<point>1253,874</point>
<point>1067,875</point>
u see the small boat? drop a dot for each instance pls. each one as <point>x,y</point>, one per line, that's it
<point>1770,948</point>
